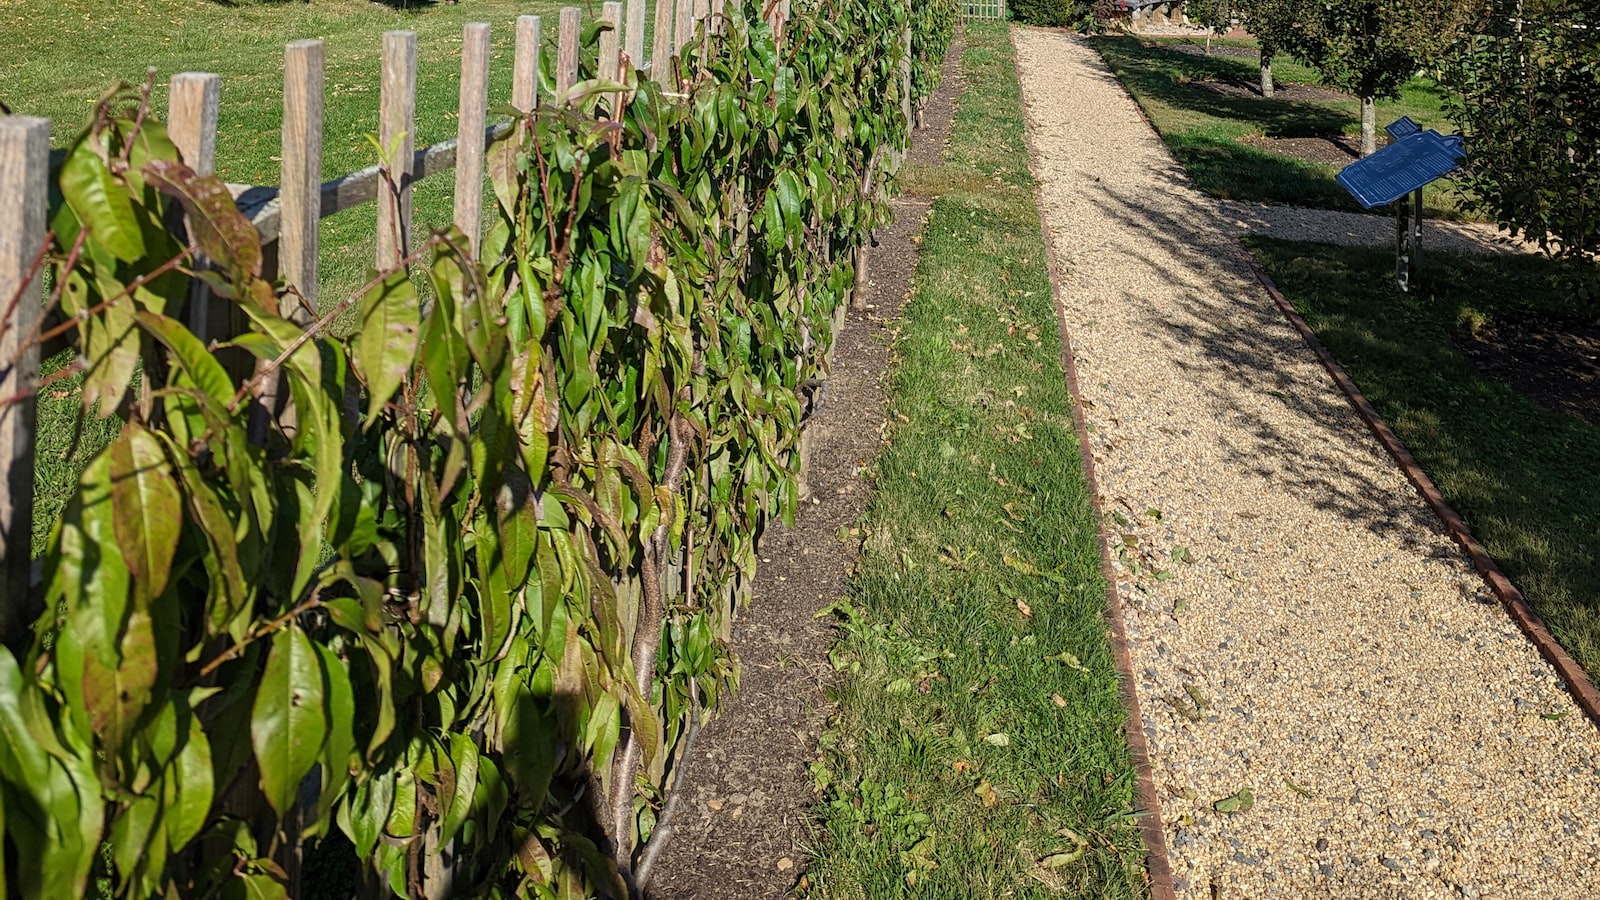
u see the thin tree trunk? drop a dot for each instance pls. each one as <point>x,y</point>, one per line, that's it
<point>1369,126</point>
<point>1266,74</point>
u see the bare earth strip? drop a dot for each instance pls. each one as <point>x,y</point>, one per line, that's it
<point>1300,625</point>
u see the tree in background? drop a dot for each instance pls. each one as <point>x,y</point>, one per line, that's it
<point>1214,15</point>
<point>1274,24</point>
<point>1362,47</point>
<point>1526,93</point>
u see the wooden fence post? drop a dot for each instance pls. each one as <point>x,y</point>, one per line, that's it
<point>472,111</point>
<point>193,99</point>
<point>610,58</point>
<point>300,196</point>
<point>633,34</point>
<point>567,48</point>
<point>661,42</point>
<point>24,169</point>
<point>525,66</point>
<point>397,135</point>
<point>684,29</point>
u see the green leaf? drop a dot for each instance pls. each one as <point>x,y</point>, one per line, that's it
<point>214,219</point>
<point>190,354</point>
<point>288,723</point>
<point>147,509</point>
<point>1236,803</point>
<point>464,754</point>
<point>339,752</point>
<point>190,790</point>
<point>101,202</point>
<point>53,817</point>
<point>386,341</point>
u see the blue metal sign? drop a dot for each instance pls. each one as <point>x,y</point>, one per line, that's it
<point>1402,167</point>
<point>1402,127</point>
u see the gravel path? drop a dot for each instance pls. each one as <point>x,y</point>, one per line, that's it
<point>1298,223</point>
<point>1300,625</point>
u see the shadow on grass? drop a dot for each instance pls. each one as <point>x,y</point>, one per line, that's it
<point>1234,171</point>
<point>1169,77</point>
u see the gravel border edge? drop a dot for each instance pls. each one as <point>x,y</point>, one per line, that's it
<point>1516,605</point>
<point>1152,831</point>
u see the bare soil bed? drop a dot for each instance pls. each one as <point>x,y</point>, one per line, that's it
<point>743,823</point>
<point>1288,93</point>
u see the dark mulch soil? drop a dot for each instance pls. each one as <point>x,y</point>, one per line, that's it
<point>1291,93</point>
<point>743,823</point>
<point>1335,150</point>
<point>1216,50</point>
<point>1552,360</point>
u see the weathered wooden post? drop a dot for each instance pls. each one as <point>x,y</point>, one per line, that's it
<point>633,35</point>
<point>610,58</point>
<point>661,42</point>
<point>567,48</point>
<point>300,191</point>
<point>24,168</point>
<point>397,135</point>
<point>525,65</point>
<point>471,114</point>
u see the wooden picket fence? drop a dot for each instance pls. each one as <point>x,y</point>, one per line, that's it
<point>984,9</point>
<point>288,216</point>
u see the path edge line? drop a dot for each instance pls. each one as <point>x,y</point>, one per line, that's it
<point>1152,831</point>
<point>1516,605</point>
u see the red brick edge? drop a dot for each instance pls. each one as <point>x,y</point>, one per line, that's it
<point>1151,831</point>
<point>1578,683</point>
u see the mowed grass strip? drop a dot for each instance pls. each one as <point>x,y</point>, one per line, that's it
<point>1522,474</point>
<point>978,747</point>
<point>1213,134</point>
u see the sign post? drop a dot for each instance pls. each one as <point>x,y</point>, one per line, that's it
<point>1398,172</point>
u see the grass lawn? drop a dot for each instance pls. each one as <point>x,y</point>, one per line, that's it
<point>978,747</point>
<point>63,54</point>
<point>1522,474</point>
<point>1210,133</point>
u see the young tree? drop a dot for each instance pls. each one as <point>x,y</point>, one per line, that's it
<point>1526,93</point>
<point>1371,47</point>
<point>1213,15</point>
<point>1274,23</point>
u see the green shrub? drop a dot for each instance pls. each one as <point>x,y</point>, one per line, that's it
<point>1047,13</point>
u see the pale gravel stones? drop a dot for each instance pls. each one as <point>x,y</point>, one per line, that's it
<point>1350,229</point>
<point>1326,638</point>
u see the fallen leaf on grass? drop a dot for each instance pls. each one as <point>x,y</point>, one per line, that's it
<point>1058,700</point>
<point>1021,565</point>
<point>1238,803</point>
<point>1066,857</point>
<point>987,793</point>
<point>998,739</point>
<point>1068,660</point>
<point>1025,609</point>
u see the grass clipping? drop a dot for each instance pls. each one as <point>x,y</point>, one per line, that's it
<point>978,748</point>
